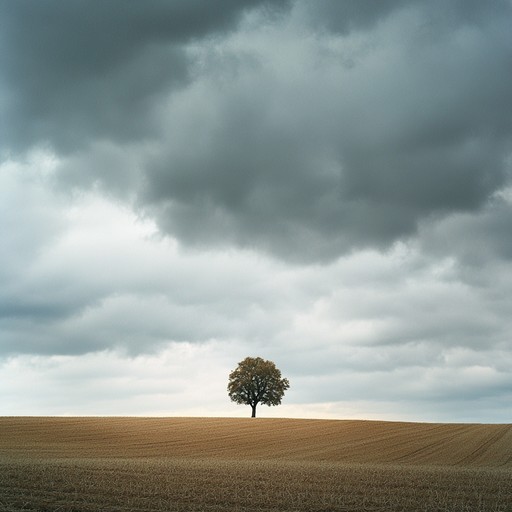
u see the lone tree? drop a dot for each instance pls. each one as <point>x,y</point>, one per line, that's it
<point>256,381</point>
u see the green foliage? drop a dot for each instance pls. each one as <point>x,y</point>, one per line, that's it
<point>256,381</point>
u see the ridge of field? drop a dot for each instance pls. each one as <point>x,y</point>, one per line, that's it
<point>343,441</point>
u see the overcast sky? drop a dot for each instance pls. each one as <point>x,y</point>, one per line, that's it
<point>326,184</point>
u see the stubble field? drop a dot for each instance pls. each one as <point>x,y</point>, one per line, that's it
<point>215,464</point>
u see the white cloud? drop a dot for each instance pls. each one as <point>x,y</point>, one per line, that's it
<point>175,381</point>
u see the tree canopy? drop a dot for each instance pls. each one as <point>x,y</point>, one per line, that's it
<point>256,381</point>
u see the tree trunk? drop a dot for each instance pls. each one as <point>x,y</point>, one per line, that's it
<point>253,411</point>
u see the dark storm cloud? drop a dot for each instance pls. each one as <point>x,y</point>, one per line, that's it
<point>347,15</point>
<point>310,146</point>
<point>305,135</point>
<point>74,71</point>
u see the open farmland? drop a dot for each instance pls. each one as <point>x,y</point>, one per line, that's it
<point>166,464</point>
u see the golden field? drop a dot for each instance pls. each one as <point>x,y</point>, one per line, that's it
<point>218,464</point>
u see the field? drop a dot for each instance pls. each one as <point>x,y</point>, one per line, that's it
<point>215,464</point>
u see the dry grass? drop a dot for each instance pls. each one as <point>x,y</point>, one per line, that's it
<point>200,464</point>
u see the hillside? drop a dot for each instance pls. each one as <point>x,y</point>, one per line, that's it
<point>340,441</point>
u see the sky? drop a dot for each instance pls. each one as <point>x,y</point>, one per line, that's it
<point>324,184</point>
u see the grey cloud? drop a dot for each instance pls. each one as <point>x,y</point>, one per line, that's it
<point>350,15</point>
<point>438,391</point>
<point>306,157</point>
<point>273,135</point>
<point>73,72</point>
<point>402,329</point>
<point>347,15</point>
<point>478,240</point>
<point>94,283</point>
<point>381,316</point>
<point>369,143</point>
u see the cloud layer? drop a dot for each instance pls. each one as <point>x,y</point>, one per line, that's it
<point>302,134</point>
<point>329,186</point>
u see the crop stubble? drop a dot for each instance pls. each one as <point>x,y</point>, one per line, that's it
<point>215,464</point>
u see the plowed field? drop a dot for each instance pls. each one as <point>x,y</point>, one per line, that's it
<point>157,464</point>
